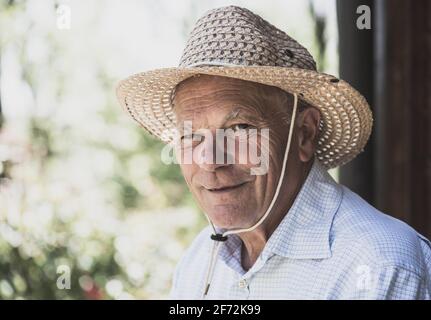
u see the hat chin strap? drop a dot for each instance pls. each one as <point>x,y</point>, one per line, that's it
<point>218,238</point>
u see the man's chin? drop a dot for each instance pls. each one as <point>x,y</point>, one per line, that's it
<point>227,216</point>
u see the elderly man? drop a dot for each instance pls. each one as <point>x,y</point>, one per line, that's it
<point>288,230</point>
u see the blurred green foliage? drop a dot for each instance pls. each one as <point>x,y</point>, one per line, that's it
<point>82,186</point>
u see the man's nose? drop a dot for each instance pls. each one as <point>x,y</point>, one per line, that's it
<point>211,154</point>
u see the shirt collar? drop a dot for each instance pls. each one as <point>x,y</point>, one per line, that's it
<point>304,232</point>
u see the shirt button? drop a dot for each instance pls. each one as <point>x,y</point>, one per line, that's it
<point>242,284</point>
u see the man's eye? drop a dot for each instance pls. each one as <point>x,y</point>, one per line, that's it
<point>240,126</point>
<point>194,137</point>
<point>187,137</point>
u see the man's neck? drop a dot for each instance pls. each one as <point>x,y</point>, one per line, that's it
<point>253,242</point>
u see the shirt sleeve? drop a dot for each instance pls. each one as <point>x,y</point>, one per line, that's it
<point>393,283</point>
<point>189,260</point>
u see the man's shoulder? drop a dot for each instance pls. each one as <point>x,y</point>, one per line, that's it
<point>198,249</point>
<point>191,267</point>
<point>200,242</point>
<point>370,235</point>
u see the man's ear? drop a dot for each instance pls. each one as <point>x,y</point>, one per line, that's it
<point>308,130</point>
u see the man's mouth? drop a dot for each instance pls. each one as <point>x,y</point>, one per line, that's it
<point>223,189</point>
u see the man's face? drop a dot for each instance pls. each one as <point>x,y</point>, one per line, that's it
<point>230,195</point>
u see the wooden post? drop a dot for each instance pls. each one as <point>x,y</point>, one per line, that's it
<point>403,105</point>
<point>356,67</point>
<point>394,74</point>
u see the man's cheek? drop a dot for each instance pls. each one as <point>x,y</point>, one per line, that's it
<point>184,155</point>
<point>259,152</point>
<point>276,148</point>
<point>187,171</point>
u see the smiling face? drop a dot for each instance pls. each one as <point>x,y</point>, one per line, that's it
<point>230,195</point>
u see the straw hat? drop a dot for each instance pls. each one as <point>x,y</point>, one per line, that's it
<point>234,42</point>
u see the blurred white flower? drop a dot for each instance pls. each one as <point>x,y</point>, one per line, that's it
<point>114,288</point>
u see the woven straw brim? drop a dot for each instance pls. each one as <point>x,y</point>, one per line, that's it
<point>346,116</point>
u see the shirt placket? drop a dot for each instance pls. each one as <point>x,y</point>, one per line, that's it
<point>245,281</point>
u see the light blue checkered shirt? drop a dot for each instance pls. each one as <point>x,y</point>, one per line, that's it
<point>330,245</point>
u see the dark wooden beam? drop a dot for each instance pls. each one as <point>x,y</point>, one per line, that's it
<point>394,74</point>
<point>403,105</point>
<point>356,67</point>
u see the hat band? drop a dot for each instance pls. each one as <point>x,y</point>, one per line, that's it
<point>213,64</point>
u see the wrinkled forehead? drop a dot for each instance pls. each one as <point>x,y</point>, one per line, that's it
<point>202,94</point>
